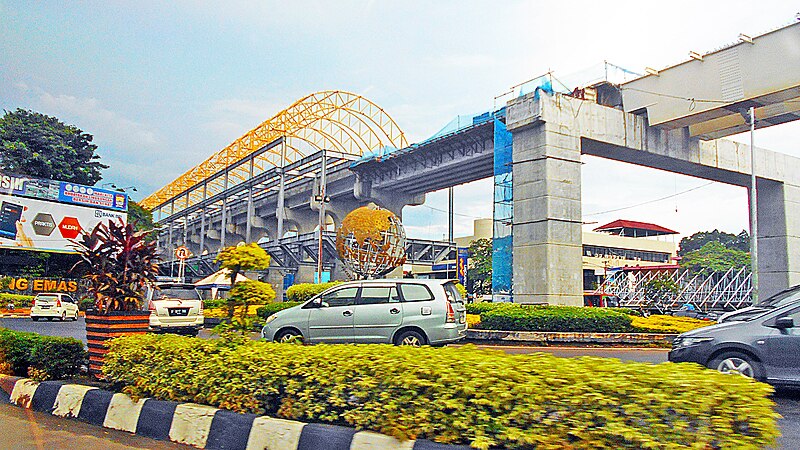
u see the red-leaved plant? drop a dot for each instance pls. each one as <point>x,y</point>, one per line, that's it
<point>119,263</point>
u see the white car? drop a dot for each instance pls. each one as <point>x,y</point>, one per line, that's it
<point>175,307</point>
<point>54,305</point>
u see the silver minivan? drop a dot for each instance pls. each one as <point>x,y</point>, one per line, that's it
<point>390,311</point>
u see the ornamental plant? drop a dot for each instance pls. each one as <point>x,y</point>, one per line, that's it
<point>242,258</point>
<point>118,263</point>
<point>464,395</point>
<point>248,293</point>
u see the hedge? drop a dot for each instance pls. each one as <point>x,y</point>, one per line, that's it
<point>667,324</point>
<point>461,395</point>
<point>304,291</point>
<point>39,357</point>
<point>271,308</point>
<point>19,300</point>
<point>555,318</point>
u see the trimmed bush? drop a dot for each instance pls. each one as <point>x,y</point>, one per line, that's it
<point>214,303</point>
<point>667,324</point>
<point>19,300</point>
<point>473,320</point>
<point>270,309</point>
<point>40,357</point>
<point>511,317</point>
<point>477,308</point>
<point>461,395</point>
<point>304,291</point>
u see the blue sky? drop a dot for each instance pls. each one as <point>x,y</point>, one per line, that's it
<point>163,85</point>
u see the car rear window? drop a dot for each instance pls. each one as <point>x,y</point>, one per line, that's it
<point>415,292</point>
<point>181,294</point>
<point>49,298</point>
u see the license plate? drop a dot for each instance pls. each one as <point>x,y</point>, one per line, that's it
<point>178,311</point>
<point>45,306</point>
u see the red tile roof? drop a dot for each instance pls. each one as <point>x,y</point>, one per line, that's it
<point>631,225</point>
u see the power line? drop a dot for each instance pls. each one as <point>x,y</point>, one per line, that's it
<point>454,213</point>
<point>650,201</point>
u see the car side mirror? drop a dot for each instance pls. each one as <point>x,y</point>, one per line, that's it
<point>784,322</point>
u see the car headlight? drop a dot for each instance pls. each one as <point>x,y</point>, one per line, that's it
<point>270,319</point>
<point>689,341</point>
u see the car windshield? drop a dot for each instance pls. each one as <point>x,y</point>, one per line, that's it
<point>175,292</point>
<point>781,297</point>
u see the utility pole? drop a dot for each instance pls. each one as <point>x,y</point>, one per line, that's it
<point>322,199</point>
<point>753,209</point>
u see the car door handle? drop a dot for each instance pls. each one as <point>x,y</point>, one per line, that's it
<point>347,313</point>
<point>394,311</point>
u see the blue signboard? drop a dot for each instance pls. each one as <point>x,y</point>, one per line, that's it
<point>62,191</point>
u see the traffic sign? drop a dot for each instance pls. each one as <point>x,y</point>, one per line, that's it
<point>182,253</point>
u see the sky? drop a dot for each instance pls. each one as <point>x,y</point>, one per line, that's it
<point>163,85</point>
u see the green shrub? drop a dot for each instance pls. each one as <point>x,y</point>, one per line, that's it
<point>19,300</point>
<point>477,308</point>
<point>85,303</point>
<point>214,303</point>
<point>510,317</point>
<point>667,324</point>
<point>462,395</point>
<point>304,291</point>
<point>40,357</point>
<point>270,309</point>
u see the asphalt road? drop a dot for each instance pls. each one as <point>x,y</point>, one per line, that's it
<point>787,401</point>
<point>24,429</point>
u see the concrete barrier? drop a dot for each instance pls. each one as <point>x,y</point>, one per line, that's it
<point>197,425</point>
<point>541,337</point>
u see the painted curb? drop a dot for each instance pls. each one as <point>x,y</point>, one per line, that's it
<point>197,425</point>
<point>539,337</point>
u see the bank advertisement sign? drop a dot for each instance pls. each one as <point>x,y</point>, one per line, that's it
<point>32,224</point>
<point>62,191</point>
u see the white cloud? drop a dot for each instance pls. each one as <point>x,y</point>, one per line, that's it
<point>108,127</point>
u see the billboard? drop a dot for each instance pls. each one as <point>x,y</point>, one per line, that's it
<point>38,214</point>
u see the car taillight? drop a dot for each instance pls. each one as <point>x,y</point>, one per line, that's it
<point>451,313</point>
<point>151,307</point>
<point>58,303</point>
<point>34,303</point>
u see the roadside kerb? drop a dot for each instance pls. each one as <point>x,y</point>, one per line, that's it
<point>188,423</point>
<point>542,337</point>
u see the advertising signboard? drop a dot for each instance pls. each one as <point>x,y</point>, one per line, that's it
<point>40,214</point>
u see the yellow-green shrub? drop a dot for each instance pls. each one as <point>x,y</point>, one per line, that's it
<point>667,324</point>
<point>473,320</point>
<point>304,291</point>
<point>455,395</point>
<point>19,300</point>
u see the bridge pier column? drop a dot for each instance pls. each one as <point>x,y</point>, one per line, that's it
<point>547,237</point>
<point>778,237</point>
<point>393,201</point>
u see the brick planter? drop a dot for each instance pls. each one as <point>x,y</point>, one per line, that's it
<point>100,328</point>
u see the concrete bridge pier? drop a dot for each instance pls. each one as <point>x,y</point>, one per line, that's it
<point>393,201</point>
<point>778,236</point>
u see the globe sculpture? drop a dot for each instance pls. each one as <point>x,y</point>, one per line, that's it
<point>371,242</point>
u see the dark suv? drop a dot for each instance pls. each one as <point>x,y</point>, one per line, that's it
<point>765,347</point>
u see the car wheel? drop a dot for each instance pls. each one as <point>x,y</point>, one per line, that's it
<point>737,363</point>
<point>410,338</point>
<point>63,316</point>
<point>49,319</point>
<point>35,319</point>
<point>75,319</point>
<point>288,336</point>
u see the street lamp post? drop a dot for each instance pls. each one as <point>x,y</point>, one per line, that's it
<point>322,199</point>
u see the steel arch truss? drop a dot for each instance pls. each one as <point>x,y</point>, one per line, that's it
<point>332,120</point>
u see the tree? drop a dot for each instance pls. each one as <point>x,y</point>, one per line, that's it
<point>250,292</point>
<point>142,220</point>
<point>479,268</point>
<point>42,146</point>
<point>241,258</point>
<point>713,258</point>
<point>696,241</point>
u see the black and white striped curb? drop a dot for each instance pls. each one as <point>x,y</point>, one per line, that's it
<point>197,425</point>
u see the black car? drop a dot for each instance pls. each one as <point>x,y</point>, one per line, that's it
<point>765,347</point>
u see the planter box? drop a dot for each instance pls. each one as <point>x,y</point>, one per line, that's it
<point>100,328</point>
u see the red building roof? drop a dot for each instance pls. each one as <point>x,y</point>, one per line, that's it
<point>632,228</point>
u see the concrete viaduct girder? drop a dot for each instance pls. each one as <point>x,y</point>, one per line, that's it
<point>550,134</point>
